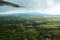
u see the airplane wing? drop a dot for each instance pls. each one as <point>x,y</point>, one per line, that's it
<point>10,4</point>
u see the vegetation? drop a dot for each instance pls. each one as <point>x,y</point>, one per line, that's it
<point>28,28</point>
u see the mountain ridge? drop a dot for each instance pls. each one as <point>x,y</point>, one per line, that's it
<point>32,14</point>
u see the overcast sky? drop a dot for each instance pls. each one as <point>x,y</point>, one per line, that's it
<point>42,6</point>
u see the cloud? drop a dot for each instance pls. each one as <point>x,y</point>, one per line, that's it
<point>40,6</point>
<point>28,4</point>
<point>55,10</point>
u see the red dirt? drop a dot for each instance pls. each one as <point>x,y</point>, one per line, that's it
<point>57,37</point>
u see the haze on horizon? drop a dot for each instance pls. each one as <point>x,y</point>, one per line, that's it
<point>41,6</point>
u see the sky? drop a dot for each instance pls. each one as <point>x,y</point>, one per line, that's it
<point>40,6</point>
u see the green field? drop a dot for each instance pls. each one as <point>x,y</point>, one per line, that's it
<point>28,28</point>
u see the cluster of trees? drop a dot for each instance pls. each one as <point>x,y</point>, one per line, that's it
<point>21,28</point>
<point>16,29</point>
